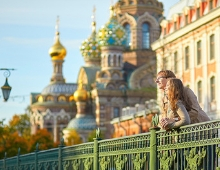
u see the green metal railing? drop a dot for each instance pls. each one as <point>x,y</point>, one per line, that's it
<point>191,147</point>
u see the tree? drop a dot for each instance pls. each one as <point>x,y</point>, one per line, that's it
<point>73,138</point>
<point>21,124</point>
<point>10,141</point>
<point>43,138</point>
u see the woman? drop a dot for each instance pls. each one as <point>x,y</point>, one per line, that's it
<point>176,114</point>
<point>196,113</point>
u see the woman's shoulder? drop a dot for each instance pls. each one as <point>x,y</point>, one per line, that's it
<point>179,102</point>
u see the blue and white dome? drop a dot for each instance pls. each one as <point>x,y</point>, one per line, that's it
<point>112,33</point>
<point>60,88</point>
<point>86,122</point>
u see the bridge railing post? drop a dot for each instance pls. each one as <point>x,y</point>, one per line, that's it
<point>96,150</point>
<point>60,154</point>
<point>18,158</point>
<point>153,142</point>
<point>153,148</point>
<point>36,156</point>
<point>5,159</point>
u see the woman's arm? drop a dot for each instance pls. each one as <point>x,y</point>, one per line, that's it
<point>183,115</point>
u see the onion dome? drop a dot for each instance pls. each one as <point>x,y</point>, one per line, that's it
<point>86,122</point>
<point>80,94</point>
<point>90,48</point>
<point>59,88</point>
<point>112,32</point>
<point>57,51</point>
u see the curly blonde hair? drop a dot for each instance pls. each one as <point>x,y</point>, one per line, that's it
<point>176,89</point>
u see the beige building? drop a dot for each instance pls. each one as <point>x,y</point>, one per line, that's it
<point>189,46</point>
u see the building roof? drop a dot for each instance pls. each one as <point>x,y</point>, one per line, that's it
<point>86,122</point>
<point>59,88</point>
<point>178,7</point>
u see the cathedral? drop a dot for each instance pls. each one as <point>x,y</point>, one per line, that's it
<point>119,72</point>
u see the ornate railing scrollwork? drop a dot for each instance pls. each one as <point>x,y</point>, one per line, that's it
<point>166,159</point>
<point>194,159</point>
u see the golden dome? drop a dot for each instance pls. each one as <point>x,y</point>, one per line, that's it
<point>57,51</point>
<point>80,94</point>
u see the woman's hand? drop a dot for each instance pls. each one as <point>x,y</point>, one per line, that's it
<point>166,123</point>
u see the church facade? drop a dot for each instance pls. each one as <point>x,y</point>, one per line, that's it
<point>119,72</point>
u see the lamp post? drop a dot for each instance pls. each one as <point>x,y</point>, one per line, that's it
<point>6,89</point>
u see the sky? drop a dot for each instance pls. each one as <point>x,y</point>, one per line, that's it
<point>27,30</point>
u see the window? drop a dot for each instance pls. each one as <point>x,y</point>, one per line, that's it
<point>146,35</point>
<point>186,19</point>
<point>175,26</point>
<point>50,98</point>
<point>128,37</point>
<point>116,112</point>
<point>210,4</point>
<point>61,98</point>
<point>199,86</point>
<point>165,63</point>
<point>165,31</point>
<point>212,46</point>
<point>175,62</point>
<point>187,58</point>
<point>199,53</point>
<point>198,12</point>
<point>212,89</point>
<point>49,127</point>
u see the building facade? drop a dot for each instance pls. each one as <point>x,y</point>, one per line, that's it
<point>118,72</point>
<point>189,46</point>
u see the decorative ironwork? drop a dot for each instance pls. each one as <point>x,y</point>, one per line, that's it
<point>66,165</point>
<point>87,163</point>
<point>194,160</point>
<point>166,160</point>
<point>46,165</point>
<point>155,120</point>
<point>138,161</point>
<point>104,162</point>
<point>137,152</point>
<point>76,164</point>
<point>97,133</point>
<point>120,162</point>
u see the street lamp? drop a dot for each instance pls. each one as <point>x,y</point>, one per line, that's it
<point>6,89</point>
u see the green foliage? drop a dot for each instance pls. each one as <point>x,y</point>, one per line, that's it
<point>17,135</point>
<point>21,124</point>
<point>73,138</point>
<point>43,138</point>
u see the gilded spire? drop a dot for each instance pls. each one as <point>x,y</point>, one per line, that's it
<point>57,51</point>
<point>57,24</point>
<point>93,20</point>
<point>112,9</point>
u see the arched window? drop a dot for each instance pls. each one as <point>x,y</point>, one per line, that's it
<point>212,89</point>
<point>50,98</point>
<point>128,32</point>
<point>61,98</point>
<point>199,88</point>
<point>109,60</point>
<point>145,35</point>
